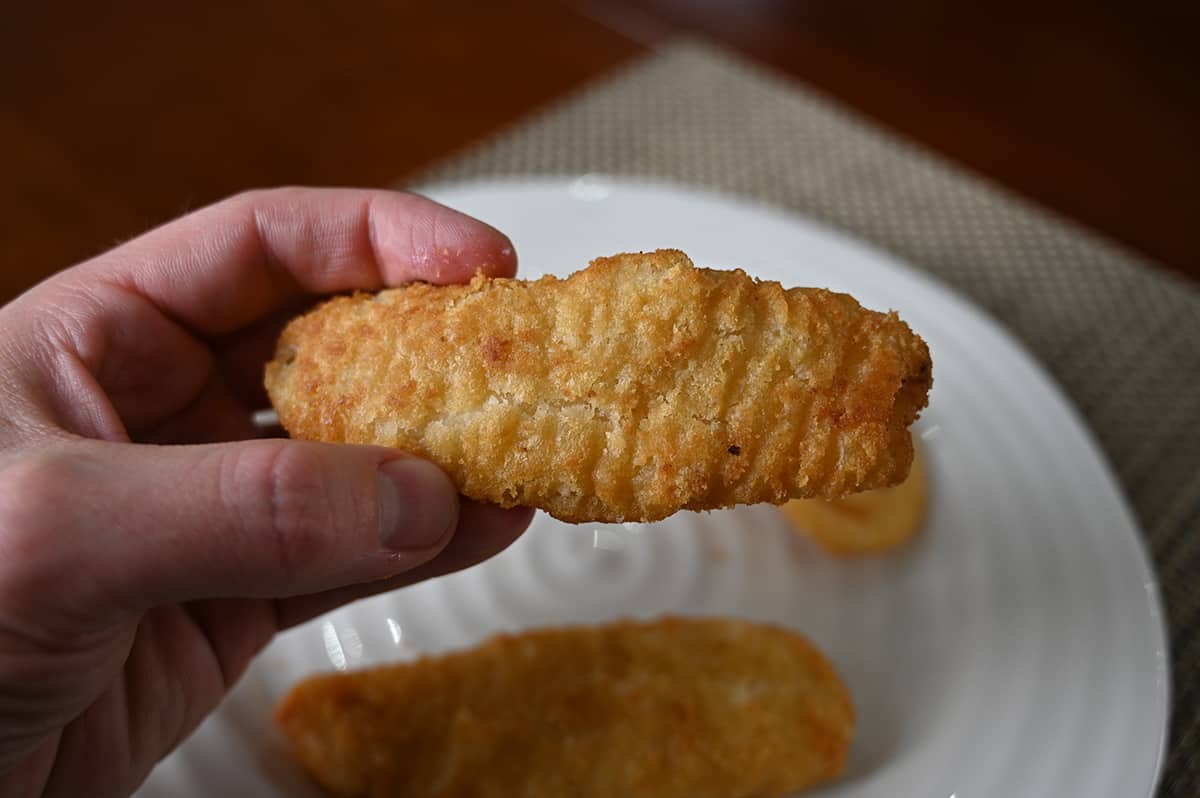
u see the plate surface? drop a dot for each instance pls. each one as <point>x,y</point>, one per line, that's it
<point>1016,648</point>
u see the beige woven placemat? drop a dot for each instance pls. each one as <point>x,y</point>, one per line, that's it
<point>1122,337</point>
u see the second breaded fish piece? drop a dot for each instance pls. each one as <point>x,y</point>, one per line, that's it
<point>632,389</point>
<point>673,708</point>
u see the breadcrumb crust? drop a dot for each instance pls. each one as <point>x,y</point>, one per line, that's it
<point>630,390</point>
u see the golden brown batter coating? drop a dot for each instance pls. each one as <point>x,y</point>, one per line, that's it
<point>871,522</point>
<point>688,708</point>
<point>632,389</point>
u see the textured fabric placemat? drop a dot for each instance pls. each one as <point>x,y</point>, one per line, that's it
<point>1121,337</point>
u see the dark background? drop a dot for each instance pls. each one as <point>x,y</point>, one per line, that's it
<point>115,119</point>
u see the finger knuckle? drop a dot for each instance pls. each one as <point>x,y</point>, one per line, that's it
<point>34,498</point>
<point>264,198</point>
<point>30,493</point>
<point>293,505</point>
<point>252,197</point>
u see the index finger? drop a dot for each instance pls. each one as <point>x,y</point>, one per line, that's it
<point>225,266</point>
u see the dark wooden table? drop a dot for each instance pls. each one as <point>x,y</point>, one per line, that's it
<point>118,116</point>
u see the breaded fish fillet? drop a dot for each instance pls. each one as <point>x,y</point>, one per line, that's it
<point>632,389</point>
<point>687,708</point>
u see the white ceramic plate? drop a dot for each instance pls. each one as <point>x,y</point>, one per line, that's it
<point>1016,649</point>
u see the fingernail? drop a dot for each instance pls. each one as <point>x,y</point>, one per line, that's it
<point>418,506</point>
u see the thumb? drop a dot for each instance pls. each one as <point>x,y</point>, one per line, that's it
<point>136,526</point>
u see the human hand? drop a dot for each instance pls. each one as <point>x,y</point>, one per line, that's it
<point>138,579</point>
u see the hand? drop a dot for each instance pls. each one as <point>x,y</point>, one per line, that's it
<point>144,558</point>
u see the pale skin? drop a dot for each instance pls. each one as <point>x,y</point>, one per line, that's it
<point>148,546</point>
